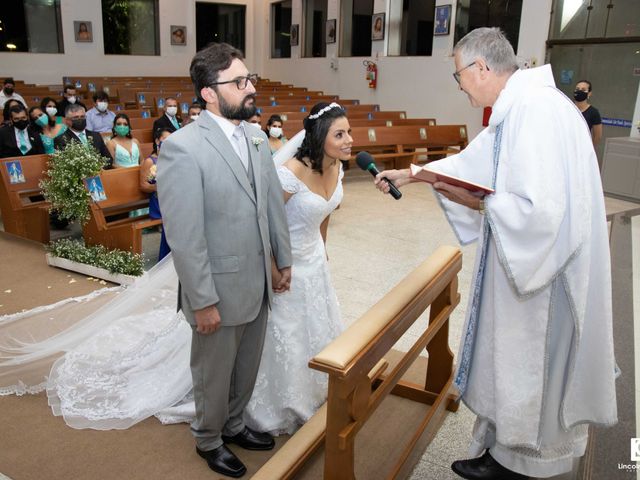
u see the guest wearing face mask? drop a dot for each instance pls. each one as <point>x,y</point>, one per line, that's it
<point>100,118</point>
<point>256,119</point>
<point>170,119</point>
<point>18,139</point>
<point>50,107</point>
<point>69,97</point>
<point>274,132</point>
<point>581,97</point>
<point>194,112</point>
<point>46,127</point>
<point>8,93</point>
<point>124,149</point>
<point>6,111</point>
<point>148,184</point>
<point>76,120</point>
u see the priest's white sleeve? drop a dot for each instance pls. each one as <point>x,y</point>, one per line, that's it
<point>475,164</point>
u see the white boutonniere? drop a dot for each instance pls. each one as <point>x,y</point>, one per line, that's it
<point>257,141</point>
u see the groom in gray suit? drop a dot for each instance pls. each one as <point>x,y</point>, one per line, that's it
<point>223,213</point>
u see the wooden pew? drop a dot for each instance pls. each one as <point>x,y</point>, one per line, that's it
<point>138,123</point>
<point>143,135</point>
<point>359,383</point>
<point>400,146</point>
<point>110,224</point>
<point>25,212</point>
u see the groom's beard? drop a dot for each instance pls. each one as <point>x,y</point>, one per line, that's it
<point>240,112</point>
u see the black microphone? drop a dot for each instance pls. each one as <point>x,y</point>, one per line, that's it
<point>365,162</point>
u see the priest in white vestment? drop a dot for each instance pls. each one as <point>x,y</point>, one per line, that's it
<point>536,361</point>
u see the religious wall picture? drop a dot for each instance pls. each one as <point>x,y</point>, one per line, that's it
<point>83,31</point>
<point>331,31</point>
<point>377,26</point>
<point>96,190</point>
<point>293,40</point>
<point>442,20</point>
<point>178,35</point>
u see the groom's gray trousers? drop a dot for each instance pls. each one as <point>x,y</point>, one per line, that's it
<point>224,366</point>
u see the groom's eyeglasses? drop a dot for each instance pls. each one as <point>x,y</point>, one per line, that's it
<point>241,82</point>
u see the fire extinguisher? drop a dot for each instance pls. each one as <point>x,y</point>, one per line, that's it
<point>372,73</point>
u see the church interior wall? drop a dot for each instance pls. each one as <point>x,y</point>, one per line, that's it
<point>422,86</point>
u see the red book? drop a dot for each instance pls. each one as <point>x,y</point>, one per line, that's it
<point>425,174</point>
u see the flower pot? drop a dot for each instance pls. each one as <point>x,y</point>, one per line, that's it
<point>90,270</point>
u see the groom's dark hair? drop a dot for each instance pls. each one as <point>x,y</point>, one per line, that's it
<point>209,62</point>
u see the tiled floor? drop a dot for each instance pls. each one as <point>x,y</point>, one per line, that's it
<point>373,242</point>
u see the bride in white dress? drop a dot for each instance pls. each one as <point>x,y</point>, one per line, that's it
<point>117,361</point>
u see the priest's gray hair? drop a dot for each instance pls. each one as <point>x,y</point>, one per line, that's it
<point>489,44</point>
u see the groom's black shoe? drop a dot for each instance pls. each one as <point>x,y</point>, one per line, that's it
<point>251,440</point>
<point>222,460</point>
<point>484,468</point>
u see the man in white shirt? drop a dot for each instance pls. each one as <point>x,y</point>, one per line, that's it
<point>536,361</point>
<point>8,93</point>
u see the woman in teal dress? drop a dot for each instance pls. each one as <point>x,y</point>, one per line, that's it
<point>124,149</point>
<point>50,107</point>
<point>47,127</point>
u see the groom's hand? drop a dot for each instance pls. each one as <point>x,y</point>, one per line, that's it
<point>285,280</point>
<point>207,320</point>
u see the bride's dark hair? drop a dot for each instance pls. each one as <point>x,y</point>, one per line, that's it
<point>316,127</point>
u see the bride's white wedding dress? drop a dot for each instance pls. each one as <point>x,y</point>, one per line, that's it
<point>119,363</point>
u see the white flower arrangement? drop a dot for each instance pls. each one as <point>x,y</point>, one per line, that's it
<point>257,141</point>
<point>115,261</point>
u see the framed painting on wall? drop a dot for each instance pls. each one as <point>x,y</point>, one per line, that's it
<point>442,20</point>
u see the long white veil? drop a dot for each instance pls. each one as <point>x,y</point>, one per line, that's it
<point>289,149</point>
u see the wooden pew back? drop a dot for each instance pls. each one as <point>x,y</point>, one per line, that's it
<point>24,211</point>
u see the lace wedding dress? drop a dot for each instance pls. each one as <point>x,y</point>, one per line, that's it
<point>118,356</point>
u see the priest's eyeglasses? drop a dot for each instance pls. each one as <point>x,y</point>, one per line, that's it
<point>241,82</point>
<point>456,75</point>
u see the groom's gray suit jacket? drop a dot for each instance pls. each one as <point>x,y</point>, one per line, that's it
<point>221,233</point>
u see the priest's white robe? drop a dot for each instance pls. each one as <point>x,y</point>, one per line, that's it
<point>536,359</point>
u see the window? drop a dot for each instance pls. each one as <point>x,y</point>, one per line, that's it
<point>219,22</point>
<point>505,14</point>
<point>130,27</point>
<point>415,19</point>
<point>281,29</point>
<point>579,19</point>
<point>356,22</point>
<point>31,26</point>
<point>314,23</point>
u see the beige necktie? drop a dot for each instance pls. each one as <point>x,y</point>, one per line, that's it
<point>241,146</point>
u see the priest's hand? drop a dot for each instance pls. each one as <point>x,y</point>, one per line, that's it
<point>398,177</point>
<point>207,320</point>
<point>459,195</point>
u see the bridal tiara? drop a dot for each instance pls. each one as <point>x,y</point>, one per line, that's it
<point>324,110</point>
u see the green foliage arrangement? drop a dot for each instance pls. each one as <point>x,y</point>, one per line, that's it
<point>64,186</point>
<point>115,261</point>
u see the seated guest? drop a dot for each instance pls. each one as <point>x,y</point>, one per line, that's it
<point>18,139</point>
<point>256,118</point>
<point>169,119</point>
<point>124,149</point>
<point>8,93</point>
<point>69,97</point>
<point>274,132</point>
<point>46,127</point>
<point>194,112</point>
<point>100,118</point>
<point>148,184</point>
<point>6,114</point>
<point>50,106</point>
<point>76,120</point>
